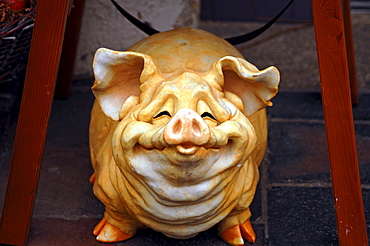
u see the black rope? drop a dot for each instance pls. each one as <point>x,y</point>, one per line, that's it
<point>251,35</point>
<point>233,40</point>
<point>143,27</point>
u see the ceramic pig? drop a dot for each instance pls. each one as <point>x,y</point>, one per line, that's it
<point>177,132</point>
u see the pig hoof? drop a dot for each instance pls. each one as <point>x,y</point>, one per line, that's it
<point>92,178</point>
<point>235,235</point>
<point>107,233</point>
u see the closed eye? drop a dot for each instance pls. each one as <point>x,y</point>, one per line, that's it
<point>163,113</point>
<point>208,115</point>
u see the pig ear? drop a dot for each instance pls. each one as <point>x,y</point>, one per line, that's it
<point>118,76</point>
<point>255,88</point>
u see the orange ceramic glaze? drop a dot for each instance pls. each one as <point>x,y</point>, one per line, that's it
<point>177,132</point>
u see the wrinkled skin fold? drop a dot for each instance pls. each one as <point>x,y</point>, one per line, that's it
<point>177,132</point>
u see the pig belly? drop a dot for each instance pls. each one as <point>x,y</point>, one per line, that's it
<point>186,219</point>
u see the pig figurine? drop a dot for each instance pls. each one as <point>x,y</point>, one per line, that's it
<point>177,132</point>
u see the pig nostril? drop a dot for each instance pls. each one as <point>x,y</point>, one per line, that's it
<point>177,127</point>
<point>196,127</point>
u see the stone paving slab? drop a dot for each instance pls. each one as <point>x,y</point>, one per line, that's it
<point>308,105</point>
<point>301,216</point>
<point>70,120</point>
<point>298,153</point>
<point>60,232</point>
<point>209,237</point>
<point>297,140</point>
<point>64,190</point>
<point>293,105</point>
<point>304,216</point>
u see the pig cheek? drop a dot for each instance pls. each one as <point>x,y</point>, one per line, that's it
<point>126,136</point>
<point>119,146</point>
<point>239,135</point>
<point>138,138</point>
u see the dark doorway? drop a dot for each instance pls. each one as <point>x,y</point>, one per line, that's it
<point>255,10</point>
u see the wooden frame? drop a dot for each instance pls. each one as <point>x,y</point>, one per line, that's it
<point>335,54</point>
<point>38,94</point>
<point>65,73</point>
<point>337,106</point>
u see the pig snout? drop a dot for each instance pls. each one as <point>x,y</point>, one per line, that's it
<point>186,129</point>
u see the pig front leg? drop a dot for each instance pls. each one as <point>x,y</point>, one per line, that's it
<point>114,226</point>
<point>107,233</point>
<point>115,229</point>
<point>235,234</point>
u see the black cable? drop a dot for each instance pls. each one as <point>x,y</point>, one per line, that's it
<point>233,40</point>
<point>251,35</point>
<point>143,27</point>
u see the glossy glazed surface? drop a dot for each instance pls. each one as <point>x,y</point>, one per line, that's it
<point>177,132</point>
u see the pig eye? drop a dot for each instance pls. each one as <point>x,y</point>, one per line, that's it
<point>208,115</point>
<point>163,113</point>
<point>209,119</point>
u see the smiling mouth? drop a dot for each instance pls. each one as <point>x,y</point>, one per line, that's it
<point>187,148</point>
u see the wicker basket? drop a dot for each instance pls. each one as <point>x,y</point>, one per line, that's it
<point>15,39</point>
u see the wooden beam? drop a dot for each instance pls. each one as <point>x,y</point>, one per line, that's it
<point>45,50</point>
<point>350,51</point>
<point>69,50</point>
<point>335,88</point>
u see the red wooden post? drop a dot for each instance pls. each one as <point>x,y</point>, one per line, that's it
<point>335,88</point>
<point>33,120</point>
<point>350,51</point>
<point>69,50</point>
